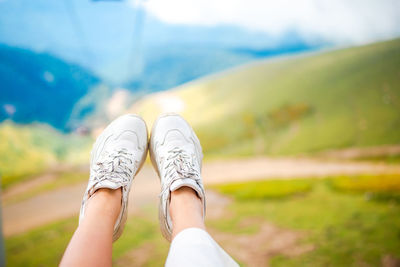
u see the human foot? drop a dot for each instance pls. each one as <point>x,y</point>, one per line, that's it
<point>176,154</point>
<point>116,157</point>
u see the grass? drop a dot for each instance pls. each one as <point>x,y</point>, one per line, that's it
<point>138,232</point>
<point>45,245</point>
<point>302,104</point>
<point>265,189</point>
<point>384,187</point>
<point>345,227</point>
<point>29,150</point>
<point>385,183</point>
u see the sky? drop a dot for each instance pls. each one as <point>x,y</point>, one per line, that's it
<point>337,21</point>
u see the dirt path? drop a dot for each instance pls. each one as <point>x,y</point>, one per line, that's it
<point>359,153</point>
<point>262,168</point>
<point>65,202</point>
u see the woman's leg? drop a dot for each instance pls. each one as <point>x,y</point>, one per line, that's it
<point>91,244</point>
<point>186,210</point>
<point>176,153</point>
<point>191,244</point>
<point>116,157</point>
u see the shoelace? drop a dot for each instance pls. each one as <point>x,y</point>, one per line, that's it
<point>179,166</point>
<point>117,167</point>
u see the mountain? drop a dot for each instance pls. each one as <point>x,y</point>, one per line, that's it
<point>163,68</point>
<point>40,87</point>
<point>295,104</point>
<point>124,44</point>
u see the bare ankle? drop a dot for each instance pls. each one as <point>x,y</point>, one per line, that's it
<point>106,201</point>
<point>184,192</point>
<point>109,193</point>
<point>186,210</point>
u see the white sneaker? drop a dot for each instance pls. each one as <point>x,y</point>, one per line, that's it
<point>176,154</point>
<point>117,155</point>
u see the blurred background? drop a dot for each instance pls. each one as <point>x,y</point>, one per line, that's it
<point>296,104</point>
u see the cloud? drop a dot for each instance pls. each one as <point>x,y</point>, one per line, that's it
<point>338,21</point>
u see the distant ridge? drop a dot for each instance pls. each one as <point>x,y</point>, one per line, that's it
<point>40,87</point>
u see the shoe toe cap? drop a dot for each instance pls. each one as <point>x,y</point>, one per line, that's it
<point>170,123</point>
<point>127,126</point>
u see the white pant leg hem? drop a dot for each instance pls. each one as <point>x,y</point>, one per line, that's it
<point>195,247</point>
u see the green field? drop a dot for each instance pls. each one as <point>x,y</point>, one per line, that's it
<point>338,217</point>
<point>299,104</point>
<point>30,149</point>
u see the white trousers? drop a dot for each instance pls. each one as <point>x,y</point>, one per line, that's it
<point>194,247</point>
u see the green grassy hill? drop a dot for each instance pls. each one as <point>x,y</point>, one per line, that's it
<point>31,149</point>
<point>301,104</point>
